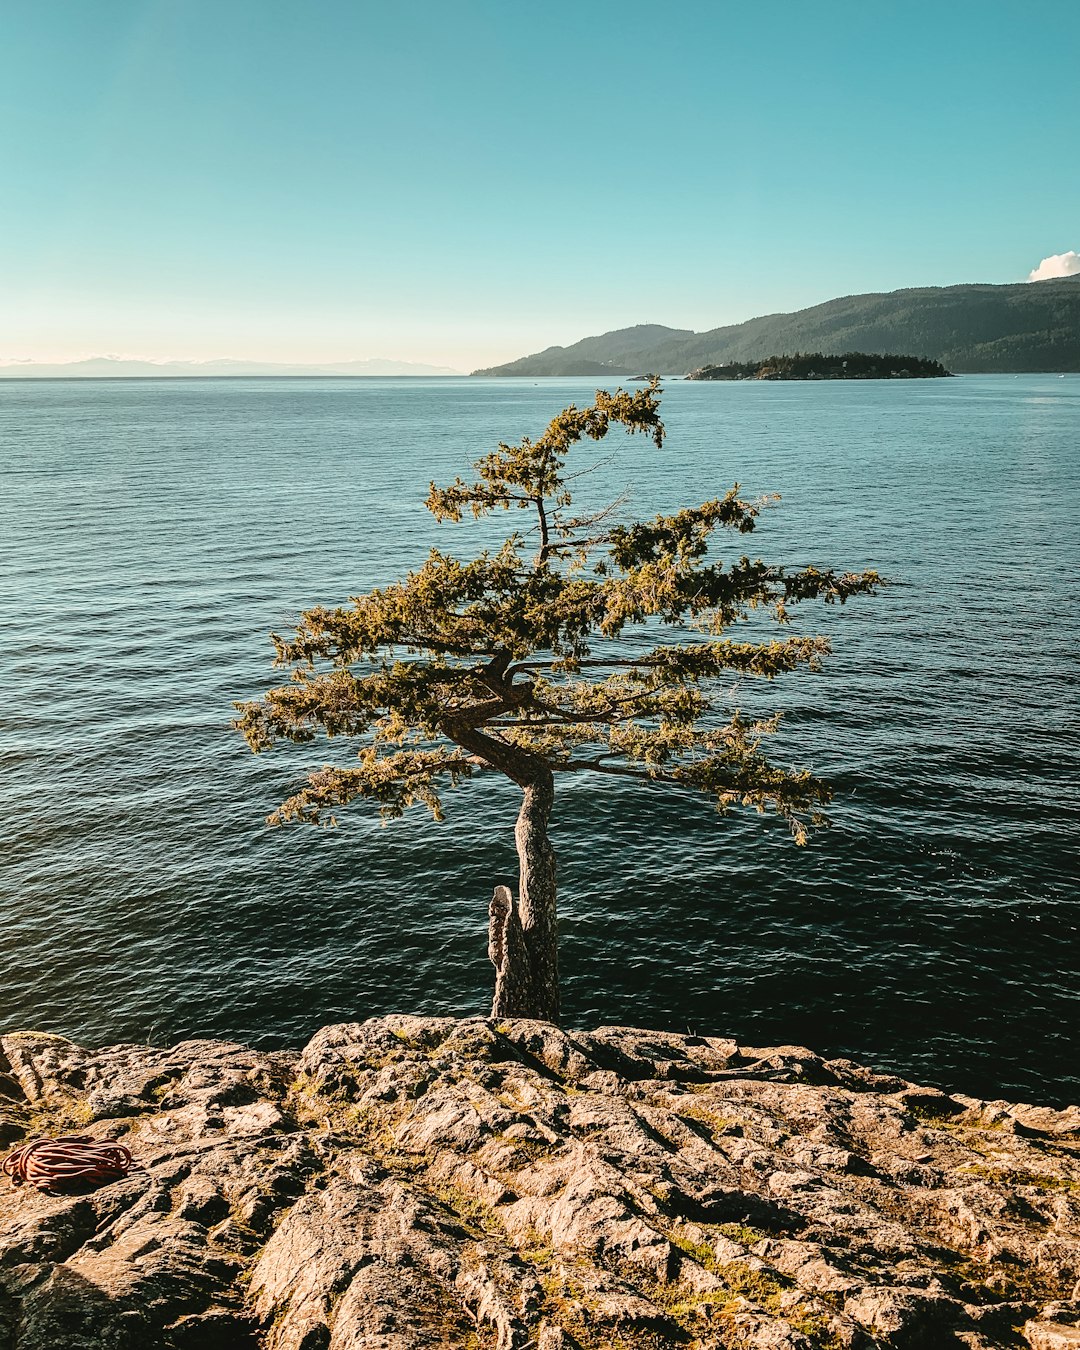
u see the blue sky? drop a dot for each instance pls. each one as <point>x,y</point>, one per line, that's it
<point>462,181</point>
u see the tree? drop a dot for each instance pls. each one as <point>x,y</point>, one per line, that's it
<point>549,665</point>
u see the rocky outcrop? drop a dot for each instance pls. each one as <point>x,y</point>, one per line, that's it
<point>416,1182</point>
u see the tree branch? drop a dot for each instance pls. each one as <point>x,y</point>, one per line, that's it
<point>618,770</point>
<point>544,549</point>
<point>518,765</point>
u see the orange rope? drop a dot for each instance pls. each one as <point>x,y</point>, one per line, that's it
<point>45,1163</point>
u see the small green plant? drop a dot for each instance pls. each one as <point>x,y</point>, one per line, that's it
<point>535,1249</point>
<point>1011,1176</point>
<point>580,1313</point>
<point>759,1286</point>
<point>61,1114</point>
<point>530,1149</point>
<point>815,1325</point>
<point>1007,1281</point>
<point>742,1233</point>
<point>469,1208</point>
<point>702,1253</point>
<point>716,1123</point>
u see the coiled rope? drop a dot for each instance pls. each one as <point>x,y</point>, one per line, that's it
<point>76,1158</point>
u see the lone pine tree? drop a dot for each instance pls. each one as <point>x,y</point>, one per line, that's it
<point>550,664</point>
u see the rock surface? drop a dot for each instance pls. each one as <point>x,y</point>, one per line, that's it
<point>416,1182</point>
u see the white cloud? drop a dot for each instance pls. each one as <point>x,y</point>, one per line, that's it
<point>1057,265</point>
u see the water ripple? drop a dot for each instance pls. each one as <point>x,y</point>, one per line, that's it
<point>153,532</point>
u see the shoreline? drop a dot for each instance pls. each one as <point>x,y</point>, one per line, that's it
<point>420,1181</point>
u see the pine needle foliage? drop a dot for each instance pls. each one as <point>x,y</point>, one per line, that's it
<point>580,646</point>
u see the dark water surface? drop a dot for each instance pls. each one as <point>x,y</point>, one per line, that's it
<point>151,533</point>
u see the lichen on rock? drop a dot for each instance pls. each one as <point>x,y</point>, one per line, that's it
<point>416,1182</point>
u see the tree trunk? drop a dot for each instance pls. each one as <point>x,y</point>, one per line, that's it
<point>523,934</point>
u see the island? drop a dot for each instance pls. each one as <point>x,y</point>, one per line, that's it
<point>819,366</point>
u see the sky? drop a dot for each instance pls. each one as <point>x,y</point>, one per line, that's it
<point>460,182</point>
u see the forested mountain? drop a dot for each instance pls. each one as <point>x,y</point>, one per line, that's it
<point>1030,326</point>
<point>611,352</point>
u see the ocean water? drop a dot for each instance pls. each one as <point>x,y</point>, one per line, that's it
<point>152,533</point>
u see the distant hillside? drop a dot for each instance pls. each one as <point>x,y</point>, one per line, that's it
<point>118,368</point>
<point>1030,326</point>
<point>612,353</point>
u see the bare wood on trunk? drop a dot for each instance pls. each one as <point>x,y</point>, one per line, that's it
<point>536,904</point>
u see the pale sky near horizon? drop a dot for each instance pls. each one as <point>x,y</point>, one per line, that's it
<point>463,181</point>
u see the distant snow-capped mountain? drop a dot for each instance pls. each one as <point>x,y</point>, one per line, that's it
<point>115,367</point>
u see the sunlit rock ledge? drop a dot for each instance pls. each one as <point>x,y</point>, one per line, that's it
<point>416,1182</point>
